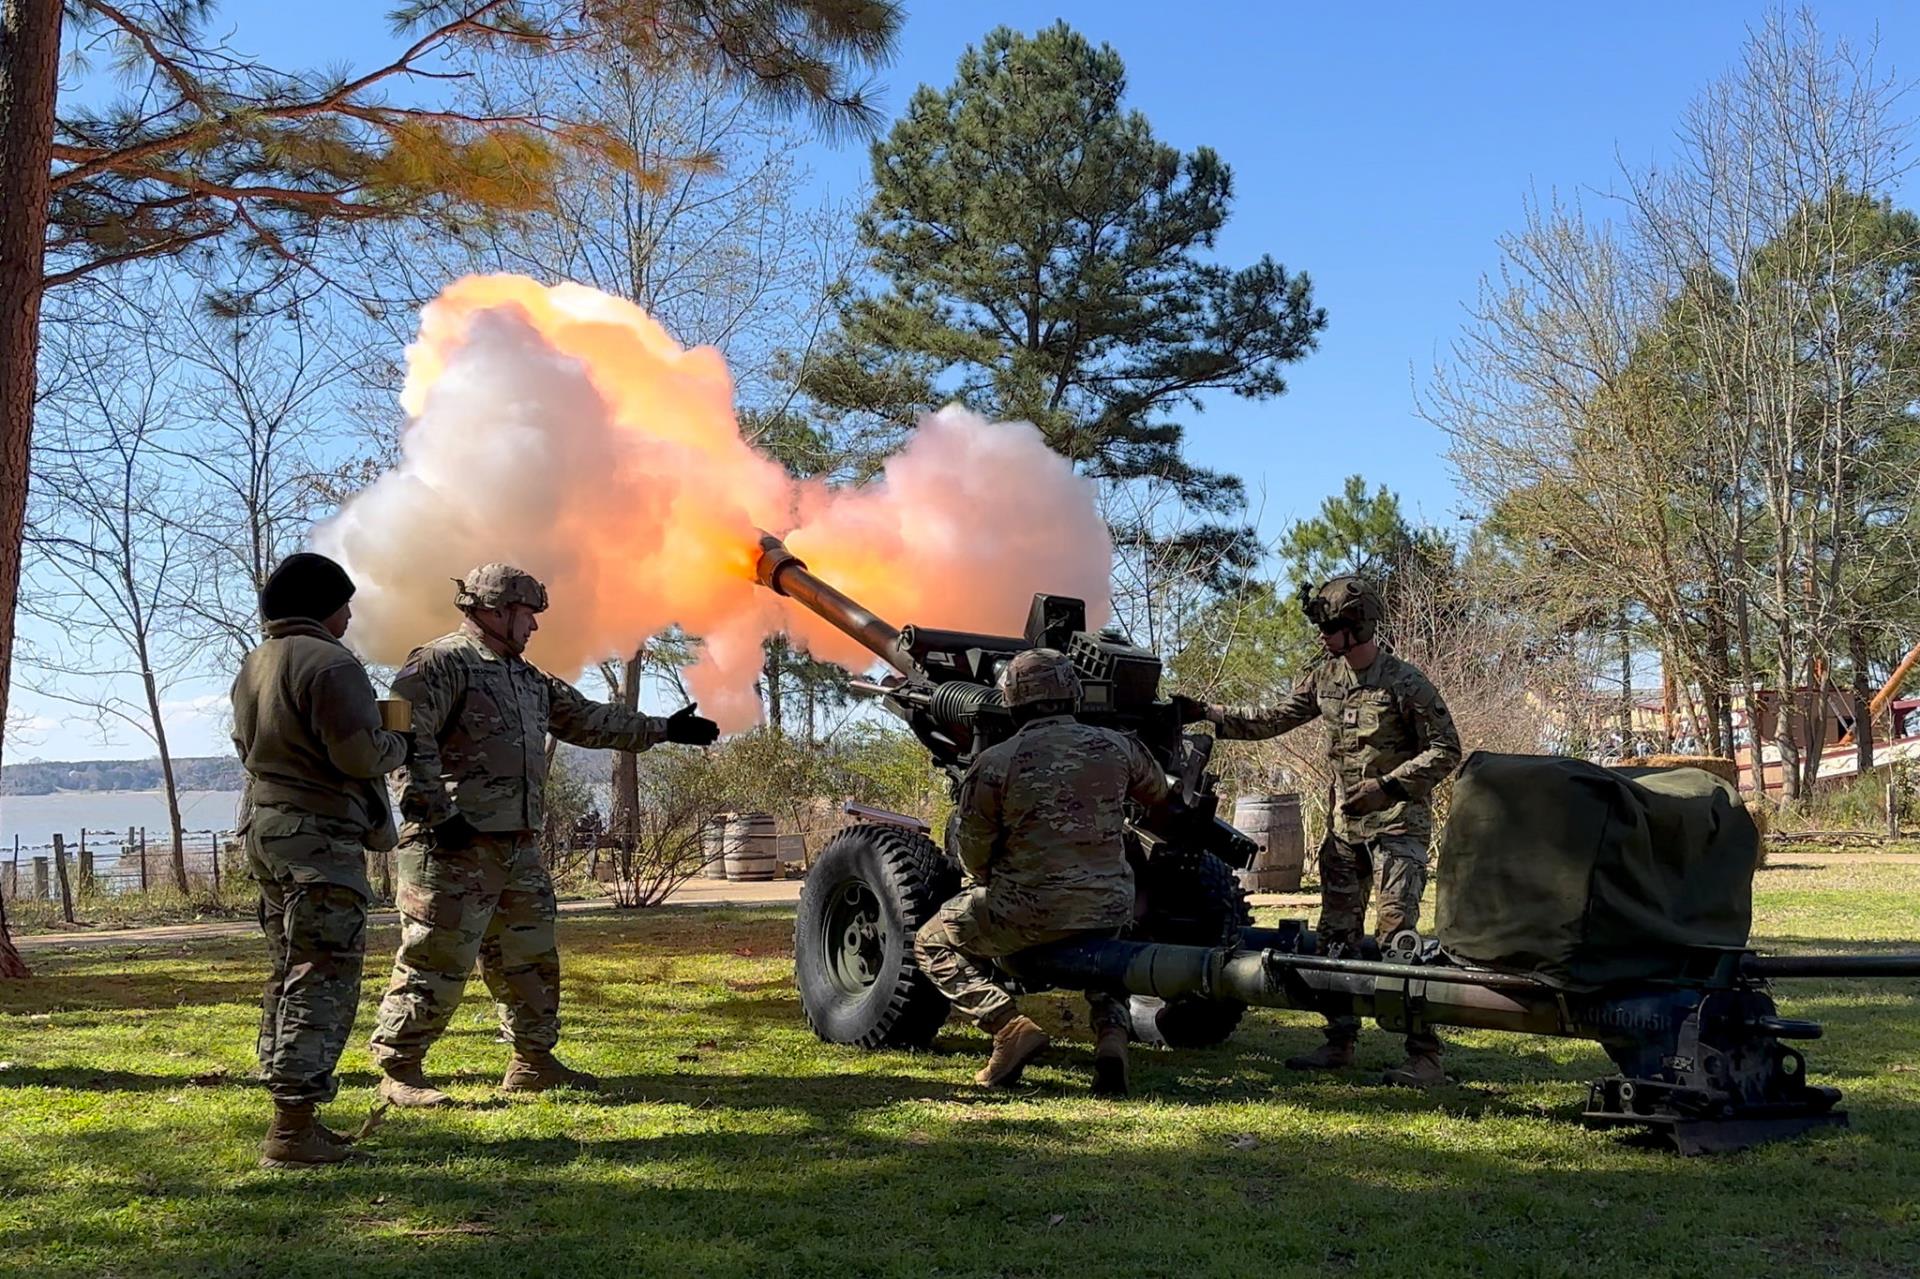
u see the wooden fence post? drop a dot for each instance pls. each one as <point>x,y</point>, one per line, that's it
<point>213,842</point>
<point>60,869</point>
<point>41,890</point>
<point>143,861</point>
<point>86,862</point>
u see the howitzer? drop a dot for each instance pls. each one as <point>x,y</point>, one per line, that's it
<point>944,688</point>
<point>1704,1059</point>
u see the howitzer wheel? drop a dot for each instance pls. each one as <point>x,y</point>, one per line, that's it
<point>1193,899</point>
<point>865,895</point>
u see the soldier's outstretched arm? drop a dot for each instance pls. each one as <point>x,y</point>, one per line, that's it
<point>433,682</point>
<point>347,721</point>
<point>1439,743</point>
<point>1147,783</point>
<point>973,833</point>
<point>574,717</point>
<point>1256,723</point>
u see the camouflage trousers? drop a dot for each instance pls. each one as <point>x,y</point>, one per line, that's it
<point>313,913</point>
<point>492,902</point>
<point>1350,871</point>
<point>953,946</point>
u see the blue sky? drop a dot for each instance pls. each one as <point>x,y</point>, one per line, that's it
<point>1382,149</point>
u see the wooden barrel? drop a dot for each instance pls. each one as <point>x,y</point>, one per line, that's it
<point>750,848</point>
<point>1273,822</point>
<point>713,847</point>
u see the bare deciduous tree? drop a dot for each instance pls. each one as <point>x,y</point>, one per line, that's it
<point>108,550</point>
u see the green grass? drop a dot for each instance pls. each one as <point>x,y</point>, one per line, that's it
<point>731,1142</point>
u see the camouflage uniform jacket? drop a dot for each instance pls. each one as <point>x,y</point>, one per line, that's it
<point>1041,822</point>
<point>1385,721</point>
<point>308,730</point>
<point>480,722</point>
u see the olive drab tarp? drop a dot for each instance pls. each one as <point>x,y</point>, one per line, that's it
<point>1586,875</point>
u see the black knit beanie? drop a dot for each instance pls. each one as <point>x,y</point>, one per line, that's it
<point>305,585</point>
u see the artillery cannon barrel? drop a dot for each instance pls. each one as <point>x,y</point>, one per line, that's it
<point>1831,966</point>
<point>1270,979</point>
<point>784,573</point>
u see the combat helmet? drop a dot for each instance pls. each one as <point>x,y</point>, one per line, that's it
<point>1350,602</point>
<point>1039,675</point>
<point>498,585</point>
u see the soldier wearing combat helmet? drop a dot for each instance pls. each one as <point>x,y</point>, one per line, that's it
<point>1390,741</point>
<point>1039,829</point>
<point>471,884</point>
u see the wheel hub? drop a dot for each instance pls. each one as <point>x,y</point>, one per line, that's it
<point>855,938</point>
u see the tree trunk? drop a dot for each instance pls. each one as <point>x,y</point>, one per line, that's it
<point>1862,702</point>
<point>623,822</point>
<point>1626,688</point>
<point>1749,693</point>
<point>29,81</point>
<point>1719,693</point>
<point>166,773</point>
<point>775,676</point>
<point>12,966</point>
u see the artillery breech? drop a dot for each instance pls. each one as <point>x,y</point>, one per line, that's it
<point>784,573</point>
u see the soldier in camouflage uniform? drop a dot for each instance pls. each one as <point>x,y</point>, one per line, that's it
<point>1039,828</point>
<point>471,884</point>
<point>1390,741</point>
<point>308,730</point>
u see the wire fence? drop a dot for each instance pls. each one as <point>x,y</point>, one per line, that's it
<point>116,863</point>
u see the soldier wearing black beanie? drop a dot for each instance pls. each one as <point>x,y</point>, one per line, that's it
<point>308,730</point>
<point>305,585</point>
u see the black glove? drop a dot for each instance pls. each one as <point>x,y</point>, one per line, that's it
<point>455,834</point>
<point>1191,710</point>
<point>688,729</point>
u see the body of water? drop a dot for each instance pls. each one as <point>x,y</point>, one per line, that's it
<point>36,818</point>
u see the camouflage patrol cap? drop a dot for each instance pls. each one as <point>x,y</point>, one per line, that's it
<point>1344,601</point>
<point>1039,675</point>
<point>498,585</point>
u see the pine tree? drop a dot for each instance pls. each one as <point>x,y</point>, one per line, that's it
<point>1042,256</point>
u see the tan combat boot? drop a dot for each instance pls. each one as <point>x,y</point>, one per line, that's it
<point>295,1139</point>
<point>1015,1044</point>
<point>536,1071</point>
<point>1335,1054</point>
<point>405,1085</point>
<point>1419,1070</point>
<point>1110,1062</point>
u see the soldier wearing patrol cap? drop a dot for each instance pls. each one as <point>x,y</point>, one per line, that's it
<point>1039,828</point>
<point>471,884</point>
<point>1390,741</point>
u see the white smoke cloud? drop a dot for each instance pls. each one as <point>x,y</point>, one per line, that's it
<point>561,430</point>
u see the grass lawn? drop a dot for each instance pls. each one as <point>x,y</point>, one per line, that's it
<point>731,1142</point>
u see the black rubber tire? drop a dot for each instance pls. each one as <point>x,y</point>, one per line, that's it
<point>910,877</point>
<point>1193,899</point>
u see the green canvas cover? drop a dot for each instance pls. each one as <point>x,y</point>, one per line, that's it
<point>1586,876</point>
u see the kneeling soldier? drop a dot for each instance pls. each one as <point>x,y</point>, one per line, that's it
<point>308,730</point>
<point>1040,829</point>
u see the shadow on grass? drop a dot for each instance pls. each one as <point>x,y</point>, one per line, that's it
<point>55,992</point>
<point>837,1198</point>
